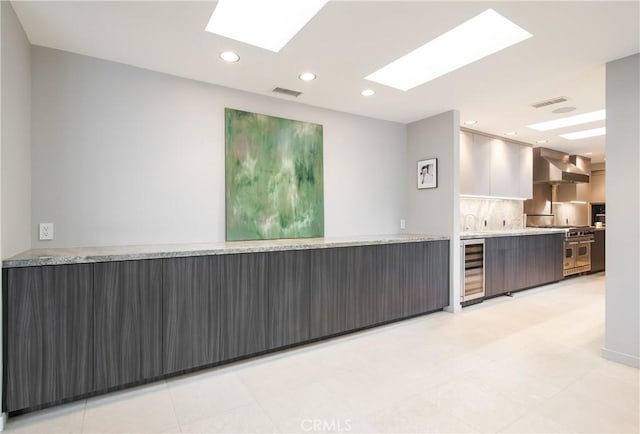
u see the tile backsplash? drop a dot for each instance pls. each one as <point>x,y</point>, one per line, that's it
<point>497,213</point>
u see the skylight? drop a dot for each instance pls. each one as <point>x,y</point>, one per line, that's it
<point>472,40</point>
<point>585,134</point>
<point>261,23</point>
<point>570,121</point>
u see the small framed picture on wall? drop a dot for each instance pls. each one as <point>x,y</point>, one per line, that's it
<point>428,173</point>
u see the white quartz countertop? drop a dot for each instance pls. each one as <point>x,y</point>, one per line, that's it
<point>81,255</point>
<point>511,233</point>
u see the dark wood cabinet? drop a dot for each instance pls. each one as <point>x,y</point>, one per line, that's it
<point>289,298</point>
<point>358,287</point>
<point>598,251</point>
<point>364,290</point>
<point>329,286</point>
<point>245,307</point>
<point>72,330</point>
<point>128,327</point>
<point>541,256</point>
<point>191,314</point>
<point>391,279</point>
<point>48,334</point>
<point>519,262</point>
<point>424,277</point>
<point>502,265</point>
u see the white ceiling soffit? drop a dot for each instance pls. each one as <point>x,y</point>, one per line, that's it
<point>347,40</point>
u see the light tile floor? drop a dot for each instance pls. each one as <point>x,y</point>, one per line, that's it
<point>530,363</point>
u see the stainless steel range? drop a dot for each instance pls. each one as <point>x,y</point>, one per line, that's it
<point>577,250</point>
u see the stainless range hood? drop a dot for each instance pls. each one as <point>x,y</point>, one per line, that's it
<point>554,167</point>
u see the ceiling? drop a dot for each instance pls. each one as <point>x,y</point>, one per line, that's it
<point>348,40</point>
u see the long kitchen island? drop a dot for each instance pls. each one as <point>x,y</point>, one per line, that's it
<point>83,321</point>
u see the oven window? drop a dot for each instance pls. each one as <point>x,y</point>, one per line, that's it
<point>568,253</point>
<point>582,251</point>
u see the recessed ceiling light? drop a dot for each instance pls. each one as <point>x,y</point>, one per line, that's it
<point>585,134</point>
<point>510,133</point>
<point>472,40</point>
<point>588,153</point>
<point>540,142</point>
<point>569,121</point>
<point>307,76</point>
<point>470,122</point>
<point>368,92</point>
<point>229,56</point>
<point>265,24</point>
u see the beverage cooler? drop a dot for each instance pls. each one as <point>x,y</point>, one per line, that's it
<point>472,268</point>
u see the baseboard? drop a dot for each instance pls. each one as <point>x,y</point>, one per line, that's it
<point>625,359</point>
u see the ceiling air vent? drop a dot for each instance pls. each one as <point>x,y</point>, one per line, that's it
<point>549,102</point>
<point>288,92</point>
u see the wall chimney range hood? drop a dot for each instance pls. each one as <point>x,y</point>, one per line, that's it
<point>554,167</point>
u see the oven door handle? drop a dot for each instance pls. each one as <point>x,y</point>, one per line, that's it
<point>586,242</point>
<point>573,243</point>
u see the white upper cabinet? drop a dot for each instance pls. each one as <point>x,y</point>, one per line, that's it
<point>475,164</point>
<point>495,167</point>
<point>505,166</point>
<point>526,172</point>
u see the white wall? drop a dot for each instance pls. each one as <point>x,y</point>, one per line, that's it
<point>622,335</point>
<point>15,141</point>
<point>3,417</point>
<point>123,155</point>
<point>16,135</point>
<point>436,211</point>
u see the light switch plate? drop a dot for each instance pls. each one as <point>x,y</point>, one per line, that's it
<point>46,231</point>
<point>403,224</point>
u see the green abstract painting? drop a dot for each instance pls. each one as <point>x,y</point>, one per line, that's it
<point>274,183</point>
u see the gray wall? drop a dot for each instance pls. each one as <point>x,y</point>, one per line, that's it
<point>436,211</point>
<point>123,155</point>
<point>16,135</point>
<point>622,336</point>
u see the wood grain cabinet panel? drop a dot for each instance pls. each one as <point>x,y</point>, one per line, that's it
<point>245,307</point>
<point>424,278</point>
<point>191,313</point>
<point>289,298</point>
<point>514,263</point>
<point>49,334</point>
<point>363,287</point>
<point>437,278</point>
<point>539,258</point>
<point>329,276</point>
<point>128,328</point>
<point>497,253</point>
<point>504,270</point>
<point>598,251</point>
<point>390,273</point>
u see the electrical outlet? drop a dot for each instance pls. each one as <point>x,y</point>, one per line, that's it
<point>46,231</point>
<point>403,224</point>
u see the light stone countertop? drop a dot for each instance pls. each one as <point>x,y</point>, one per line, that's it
<point>83,255</point>
<point>511,233</point>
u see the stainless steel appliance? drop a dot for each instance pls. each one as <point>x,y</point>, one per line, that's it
<point>577,250</point>
<point>554,167</point>
<point>598,214</point>
<point>472,270</point>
